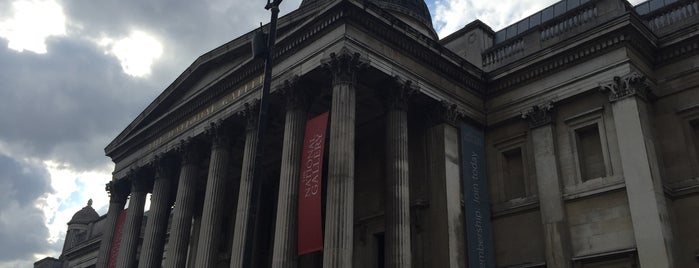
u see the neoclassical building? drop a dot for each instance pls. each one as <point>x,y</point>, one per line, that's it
<point>567,139</point>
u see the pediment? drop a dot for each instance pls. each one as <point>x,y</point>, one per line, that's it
<point>206,70</point>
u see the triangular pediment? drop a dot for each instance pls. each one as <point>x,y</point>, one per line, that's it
<point>206,70</point>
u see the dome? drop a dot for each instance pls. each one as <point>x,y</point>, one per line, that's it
<point>85,215</point>
<point>412,12</point>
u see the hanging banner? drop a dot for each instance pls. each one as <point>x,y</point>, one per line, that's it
<point>310,230</point>
<point>116,239</point>
<point>477,202</point>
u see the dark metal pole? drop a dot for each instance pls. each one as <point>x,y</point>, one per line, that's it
<point>261,129</point>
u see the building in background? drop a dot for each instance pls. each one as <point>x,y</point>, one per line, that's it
<point>567,139</point>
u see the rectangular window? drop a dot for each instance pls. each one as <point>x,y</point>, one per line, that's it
<point>514,174</point>
<point>590,153</point>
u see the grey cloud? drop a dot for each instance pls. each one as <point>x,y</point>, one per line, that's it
<point>66,104</point>
<point>22,228</point>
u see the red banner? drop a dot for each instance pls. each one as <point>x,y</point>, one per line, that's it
<point>310,235</point>
<point>116,240</point>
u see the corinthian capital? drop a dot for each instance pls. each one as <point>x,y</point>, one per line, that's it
<point>632,84</point>
<point>399,92</point>
<point>219,133</point>
<point>295,93</point>
<point>344,66</point>
<point>251,113</point>
<point>446,112</point>
<point>118,191</point>
<point>539,115</point>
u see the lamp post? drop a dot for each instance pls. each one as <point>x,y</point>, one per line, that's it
<point>273,6</point>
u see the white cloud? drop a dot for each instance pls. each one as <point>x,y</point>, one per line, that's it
<point>450,16</point>
<point>136,52</point>
<point>72,189</point>
<point>33,21</point>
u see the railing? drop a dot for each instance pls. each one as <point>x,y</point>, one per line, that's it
<point>571,22</point>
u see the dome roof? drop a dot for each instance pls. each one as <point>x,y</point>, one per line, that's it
<point>85,215</point>
<point>413,9</point>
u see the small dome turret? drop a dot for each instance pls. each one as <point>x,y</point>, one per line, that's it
<point>85,215</point>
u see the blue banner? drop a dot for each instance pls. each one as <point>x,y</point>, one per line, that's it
<point>477,203</point>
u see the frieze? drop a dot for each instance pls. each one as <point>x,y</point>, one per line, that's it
<point>205,113</point>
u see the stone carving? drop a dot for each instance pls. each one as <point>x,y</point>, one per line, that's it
<point>344,66</point>
<point>446,112</point>
<point>539,115</point>
<point>251,113</point>
<point>295,94</point>
<point>632,84</point>
<point>117,191</point>
<point>188,151</point>
<point>218,131</point>
<point>399,93</point>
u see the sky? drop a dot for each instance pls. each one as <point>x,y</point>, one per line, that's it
<point>73,74</point>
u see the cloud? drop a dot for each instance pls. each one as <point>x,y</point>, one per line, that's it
<point>31,23</point>
<point>450,16</point>
<point>22,184</point>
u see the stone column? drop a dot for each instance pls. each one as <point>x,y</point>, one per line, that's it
<point>285,253</point>
<point>117,199</point>
<point>184,206</point>
<point>397,210</point>
<point>446,232</point>
<point>553,215</point>
<point>639,164</point>
<point>212,213</point>
<point>245,188</point>
<point>133,222</point>
<point>339,207</point>
<point>156,225</point>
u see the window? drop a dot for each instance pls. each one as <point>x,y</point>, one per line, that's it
<point>511,181</point>
<point>589,145</point>
<point>513,174</point>
<point>590,156</point>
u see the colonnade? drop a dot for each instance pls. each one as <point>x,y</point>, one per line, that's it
<point>339,222</point>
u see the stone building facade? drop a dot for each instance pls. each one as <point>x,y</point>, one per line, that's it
<point>590,115</point>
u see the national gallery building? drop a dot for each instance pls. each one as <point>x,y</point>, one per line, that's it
<point>568,139</point>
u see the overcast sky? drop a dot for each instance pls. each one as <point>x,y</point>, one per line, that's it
<point>74,73</point>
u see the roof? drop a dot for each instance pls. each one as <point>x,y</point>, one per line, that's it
<point>85,215</point>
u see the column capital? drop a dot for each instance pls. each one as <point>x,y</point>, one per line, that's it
<point>539,115</point>
<point>295,94</point>
<point>165,167</point>
<point>250,113</point>
<point>138,180</point>
<point>188,151</point>
<point>399,92</point>
<point>219,133</point>
<point>446,112</point>
<point>118,192</point>
<point>632,84</point>
<point>344,66</point>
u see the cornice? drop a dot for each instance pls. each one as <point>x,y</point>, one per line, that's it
<point>632,33</point>
<point>424,49</point>
<point>287,45</point>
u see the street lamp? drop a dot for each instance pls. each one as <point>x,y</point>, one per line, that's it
<point>268,52</point>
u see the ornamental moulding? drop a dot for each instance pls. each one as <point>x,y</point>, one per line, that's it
<point>539,115</point>
<point>632,84</point>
